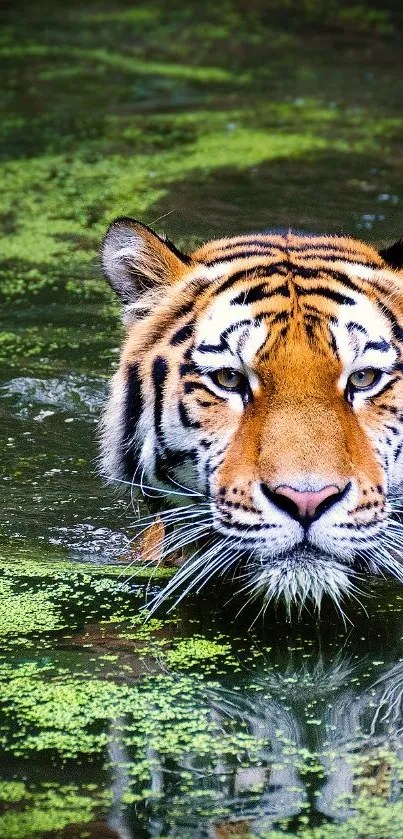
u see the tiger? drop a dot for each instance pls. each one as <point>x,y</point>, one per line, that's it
<point>260,386</point>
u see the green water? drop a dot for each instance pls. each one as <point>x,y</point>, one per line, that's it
<point>205,120</point>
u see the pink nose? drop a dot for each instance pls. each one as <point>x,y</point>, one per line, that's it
<point>307,503</point>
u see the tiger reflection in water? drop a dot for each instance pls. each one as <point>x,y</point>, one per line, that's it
<point>329,725</point>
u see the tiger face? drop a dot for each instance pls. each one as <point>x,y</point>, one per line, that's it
<point>264,374</point>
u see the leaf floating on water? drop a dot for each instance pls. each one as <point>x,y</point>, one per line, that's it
<point>150,548</point>
<point>153,542</point>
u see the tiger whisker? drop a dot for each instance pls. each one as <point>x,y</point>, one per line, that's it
<point>171,511</point>
<point>154,566</point>
<point>191,566</point>
<point>171,522</point>
<point>182,486</point>
<point>173,543</point>
<point>187,522</point>
<point>178,580</point>
<point>206,573</point>
<point>162,491</point>
<point>167,589</point>
<point>219,565</point>
<point>220,559</point>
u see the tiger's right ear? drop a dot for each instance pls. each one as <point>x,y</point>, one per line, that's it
<point>393,255</point>
<point>135,260</point>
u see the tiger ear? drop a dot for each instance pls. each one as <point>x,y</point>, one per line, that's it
<point>393,255</point>
<point>135,259</point>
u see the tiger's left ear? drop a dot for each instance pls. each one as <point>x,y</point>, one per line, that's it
<point>135,259</point>
<point>393,255</point>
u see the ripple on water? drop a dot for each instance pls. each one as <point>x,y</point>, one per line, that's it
<point>91,544</point>
<point>36,399</point>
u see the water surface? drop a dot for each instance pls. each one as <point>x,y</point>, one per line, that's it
<point>197,723</point>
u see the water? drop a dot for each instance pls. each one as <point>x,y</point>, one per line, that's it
<point>202,722</point>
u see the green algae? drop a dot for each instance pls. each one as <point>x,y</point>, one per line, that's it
<point>24,613</point>
<point>371,814</point>
<point>374,818</point>
<point>183,719</point>
<point>50,808</point>
<point>11,791</point>
<point>165,714</point>
<point>121,62</point>
<point>58,195</point>
<point>39,597</point>
<point>81,171</point>
<point>207,655</point>
<point>18,565</point>
<point>34,346</point>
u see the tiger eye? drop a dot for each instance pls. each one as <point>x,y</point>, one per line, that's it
<point>228,379</point>
<point>362,379</point>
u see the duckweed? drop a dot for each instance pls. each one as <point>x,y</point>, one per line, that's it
<point>50,808</point>
<point>198,651</point>
<point>42,597</point>
<point>18,566</point>
<point>66,172</point>
<point>166,714</point>
<point>25,613</point>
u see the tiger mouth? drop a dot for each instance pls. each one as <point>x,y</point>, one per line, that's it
<point>303,574</point>
<point>304,553</point>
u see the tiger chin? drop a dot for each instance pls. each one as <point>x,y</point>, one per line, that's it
<point>259,396</point>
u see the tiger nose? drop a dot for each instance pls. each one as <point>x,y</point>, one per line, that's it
<point>304,505</point>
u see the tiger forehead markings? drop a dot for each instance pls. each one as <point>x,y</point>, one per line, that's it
<point>263,376</point>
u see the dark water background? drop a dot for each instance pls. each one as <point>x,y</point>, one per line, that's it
<point>204,121</point>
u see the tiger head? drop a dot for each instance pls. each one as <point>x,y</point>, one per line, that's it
<point>264,374</point>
